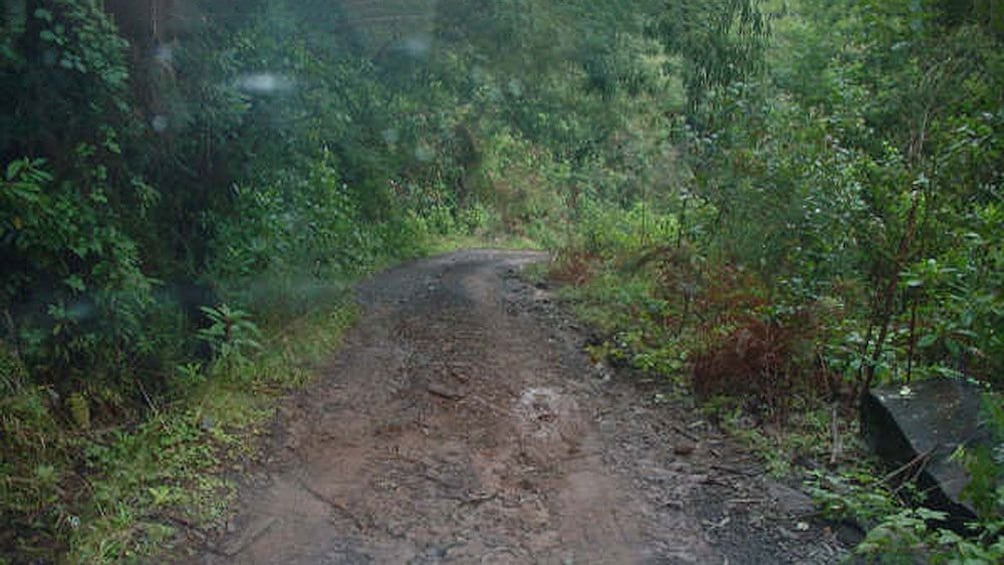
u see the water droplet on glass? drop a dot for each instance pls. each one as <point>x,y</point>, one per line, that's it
<point>163,54</point>
<point>264,83</point>
<point>390,136</point>
<point>416,46</point>
<point>159,123</point>
<point>80,311</point>
<point>424,153</point>
<point>478,75</point>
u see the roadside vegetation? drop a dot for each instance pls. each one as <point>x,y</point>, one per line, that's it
<point>769,205</point>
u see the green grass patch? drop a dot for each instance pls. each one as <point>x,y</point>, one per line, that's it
<point>448,243</point>
<point>169,472</point>
<point>125,493</point>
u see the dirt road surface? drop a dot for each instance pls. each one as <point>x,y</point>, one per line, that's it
<point>462,423</point>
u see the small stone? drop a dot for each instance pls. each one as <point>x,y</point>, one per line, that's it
<point>675,504</point>
<point>443,391</point>
<point>790,499</point>
<point>684,448</point>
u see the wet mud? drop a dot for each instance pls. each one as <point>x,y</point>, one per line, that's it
<point>461,422</point>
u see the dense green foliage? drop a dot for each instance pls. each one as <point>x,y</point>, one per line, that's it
<point>837,225</point>
<point>792,200</point>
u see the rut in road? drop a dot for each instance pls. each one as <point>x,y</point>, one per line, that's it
<point>458,424</point>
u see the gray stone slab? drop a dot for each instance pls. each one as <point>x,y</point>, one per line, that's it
<point>917,427</point>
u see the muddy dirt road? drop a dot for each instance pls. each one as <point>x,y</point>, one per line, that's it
<point>461,423</point>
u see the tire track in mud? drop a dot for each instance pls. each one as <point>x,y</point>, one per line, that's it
<point>457,426</point>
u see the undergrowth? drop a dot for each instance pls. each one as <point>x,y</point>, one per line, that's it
<point>767,367</point>
<point>125,492</point>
